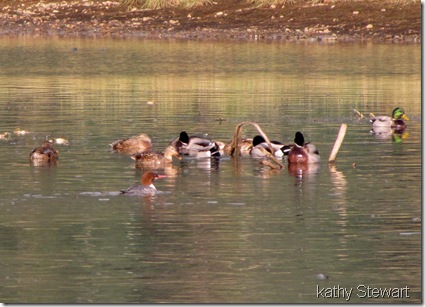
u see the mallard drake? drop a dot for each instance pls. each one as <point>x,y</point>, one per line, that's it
<point>395,122</point>
<point>302,152</point>
<point>259,143</point>
<point>192,145</point>
<point>133,145</point>
<point>146,188</point>
<point>215,151</point>
<point>44,155</point>
<point>155,158</point>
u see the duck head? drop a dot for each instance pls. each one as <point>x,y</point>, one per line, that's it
<point>299,139</point>
<point>398,113</point>
<point>184,137</point>
<point>258,139</point>
<point>171,151</point>
<point>149,177</point>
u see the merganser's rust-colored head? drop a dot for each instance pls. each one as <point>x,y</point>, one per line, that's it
<point>149,177</point>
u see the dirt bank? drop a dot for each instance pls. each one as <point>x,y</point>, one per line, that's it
<point>380,21</point>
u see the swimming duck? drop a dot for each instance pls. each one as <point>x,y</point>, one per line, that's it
<point>154,158</point>
<point>44,155</point>
<point>146,188</point>
<point>133,145</point>
<point>395,122</point>
<point>259,143</point>
<point>191,145</point>
<point>215,151</point>
<point>302,152</point>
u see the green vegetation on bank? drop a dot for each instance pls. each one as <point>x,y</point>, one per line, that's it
<point>158,4</point>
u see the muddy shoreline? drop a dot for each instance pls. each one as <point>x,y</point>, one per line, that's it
<point>346,21</point>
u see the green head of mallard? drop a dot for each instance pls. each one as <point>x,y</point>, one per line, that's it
<point>398,113</point>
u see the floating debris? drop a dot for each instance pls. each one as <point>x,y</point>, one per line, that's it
<point>410,233</point>
<point>359,114</point>
<point>59,141</point>
<point>5,136</point>
<point>19,131</point>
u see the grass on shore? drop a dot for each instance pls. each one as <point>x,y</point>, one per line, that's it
<point>159,4</point>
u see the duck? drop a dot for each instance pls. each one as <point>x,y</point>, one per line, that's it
<point>215,151</point>
<point>191,145</point>
<point>245,145</point>
<point>259,144</point>
<point>44,155</point>
<point>155,158</point>
<point>133,145</point>
<point>302,152</point>
<point>147,188</point>
<point>395,122</point>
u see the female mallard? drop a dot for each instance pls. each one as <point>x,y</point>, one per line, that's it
<point>44,155</point>
<point>395,122</point>
<point>156,159</point>
<point>303,152</point>
<point>133,145</point>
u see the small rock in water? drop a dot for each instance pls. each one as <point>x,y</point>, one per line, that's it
<point>322,276</point>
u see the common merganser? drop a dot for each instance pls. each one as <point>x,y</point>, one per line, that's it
<point>259,143</point>
<point>155,158</point>
<point>191,145</point>
<point>133,145</point>
<point>44,155</point>
<point>146,188</point>
<point>303,152</point>
<point>395,122</point>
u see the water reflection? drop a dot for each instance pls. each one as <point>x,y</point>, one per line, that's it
<point>303,171</point>
<point>385,133</point>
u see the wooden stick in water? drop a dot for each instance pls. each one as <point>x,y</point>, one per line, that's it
<point>234,145</point>
<point>338,143</point>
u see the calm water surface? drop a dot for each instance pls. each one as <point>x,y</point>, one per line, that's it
<point>220,231</point>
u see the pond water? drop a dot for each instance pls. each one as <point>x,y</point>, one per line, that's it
<point>227,231</point>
